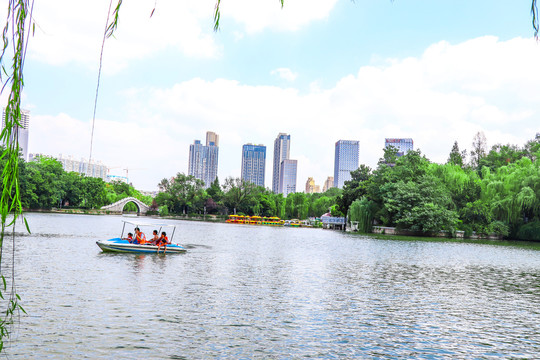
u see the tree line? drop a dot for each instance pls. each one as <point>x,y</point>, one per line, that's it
<point>494,192</point>
<point>43,184</point>
<point>184,194</point>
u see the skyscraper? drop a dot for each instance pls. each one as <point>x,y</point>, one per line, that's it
<point>203,160</point>
<point>20,132</point>
<point>253,163</point>
<point>282,147</point>
<point>403,145</point>
<point>287,177</point>
<point>329,183</point>
<point>346,160</point>
<point>311,187</point>
<point>212,139</point>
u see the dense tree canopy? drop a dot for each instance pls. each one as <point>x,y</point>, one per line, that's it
<point>45,185</point>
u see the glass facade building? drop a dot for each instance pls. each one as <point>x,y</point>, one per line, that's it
<point>287,177</point>
<point>346,160</point>
<point>403,145</point>
<point>253,163</point>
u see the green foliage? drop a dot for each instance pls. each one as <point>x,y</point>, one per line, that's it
<point>499,228</point>
<point>424,205</point>
<point>457,157</point>
<point>182,194</point>
<point>163,210</point>
<point>10,202</point>
<point>355,188</point>
<point>239,195</point>
<point>529,231</point>
<point>362,212</point>
<point>513,191</point>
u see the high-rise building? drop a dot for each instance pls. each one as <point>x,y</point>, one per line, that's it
<point>311,187</point>
<point>203,160</point>
<point>212,139</point>
<point>403,145</point>
<point>253,163</point>
<point>282,147</point>
<point>287,177</point>
<point>329,183</point>
<point>346,160</point>
<point>20,132</point>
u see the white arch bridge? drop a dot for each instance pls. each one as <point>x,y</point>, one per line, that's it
<point>118,206</point>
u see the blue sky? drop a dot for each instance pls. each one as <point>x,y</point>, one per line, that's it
<point>436,71</point>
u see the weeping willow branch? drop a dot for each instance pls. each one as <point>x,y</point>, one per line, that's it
<point>217,13</point>
<point>535,20</point>
<point>19,11</point>
<point>110,28</point>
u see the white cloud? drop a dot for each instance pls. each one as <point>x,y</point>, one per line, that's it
<point>67,34</point>
<point>285,73</point>
<point>449,93</point>
<point>259,15</point>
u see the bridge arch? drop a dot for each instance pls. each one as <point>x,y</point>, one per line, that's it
<point>118,206</point>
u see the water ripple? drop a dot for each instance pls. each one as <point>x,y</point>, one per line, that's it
<point>258,292</point>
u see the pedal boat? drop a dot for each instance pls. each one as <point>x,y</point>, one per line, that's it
<point>124,246</point>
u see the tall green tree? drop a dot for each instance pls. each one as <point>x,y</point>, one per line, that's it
<point>479,149</point>
<point>355,188</point>
<point>239,194</point>
<point>182,194</point>
<point>457,157</point>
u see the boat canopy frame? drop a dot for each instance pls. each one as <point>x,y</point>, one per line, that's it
<point>150,225</point>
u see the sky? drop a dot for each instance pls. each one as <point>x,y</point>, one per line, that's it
<point>319,70</point>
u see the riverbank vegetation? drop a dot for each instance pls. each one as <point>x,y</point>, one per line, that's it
<point>496,192</point>
<point>43,184</point>
<point>185,194</point>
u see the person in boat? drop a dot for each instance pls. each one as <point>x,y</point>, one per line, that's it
<point>129,238</point>
<point>155,238</point>
<point>163,241</point>
<point>140,238</point>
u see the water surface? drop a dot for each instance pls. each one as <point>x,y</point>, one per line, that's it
<point>252,292</point>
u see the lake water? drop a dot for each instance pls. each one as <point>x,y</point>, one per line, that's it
<point>248,292</point>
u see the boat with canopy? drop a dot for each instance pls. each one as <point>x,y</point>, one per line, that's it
<point>122,244</point>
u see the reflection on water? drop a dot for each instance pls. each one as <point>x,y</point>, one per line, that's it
<point>262,292</point>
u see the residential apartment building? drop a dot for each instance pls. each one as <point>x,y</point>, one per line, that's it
<point>93,169</point>
<point>203,159</point>
<point>20,132</point>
